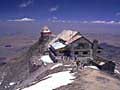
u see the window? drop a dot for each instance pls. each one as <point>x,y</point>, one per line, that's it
<point>98,51</point>
<point>85,52</point>
<point>82,45</point>
<point>76,53</point>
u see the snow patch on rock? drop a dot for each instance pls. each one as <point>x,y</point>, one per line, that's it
<point>93,67</point>
<point>56,80</point>
<point>116,71</point>
<point>46,59</point>
<point>12,83</point>
<point>57,65</point>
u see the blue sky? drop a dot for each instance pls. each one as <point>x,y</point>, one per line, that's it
<point>103,12</point>
<point>61,9</point>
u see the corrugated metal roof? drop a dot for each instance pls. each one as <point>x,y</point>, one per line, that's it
<point>66,35</point>
<point>73,39</point>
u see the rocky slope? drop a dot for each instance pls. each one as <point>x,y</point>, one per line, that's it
<point>82,79</point>
<point>21,73</point>
<point>90,79</point>
<point>18,69</point>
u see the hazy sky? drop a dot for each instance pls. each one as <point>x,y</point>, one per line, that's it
<point>104,14</point>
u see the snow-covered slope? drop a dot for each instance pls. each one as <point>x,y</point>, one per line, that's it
<point>53,81</point>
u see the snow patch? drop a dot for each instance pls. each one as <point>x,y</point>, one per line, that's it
<point>12,83</point>
<point>102,63</point>
<point>69,69</point>
<point>0,83</point>
<point>56,80</point>
<point>18,89</point>
<point>46,59</point>
<point>57,65</point>
<point>5,86</point>
<point>116,71</point>
<point>93,67</point>
<point>67,65</point>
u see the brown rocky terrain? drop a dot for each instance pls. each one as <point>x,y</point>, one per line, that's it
<point>18,71</point>
<point>90,79</point>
